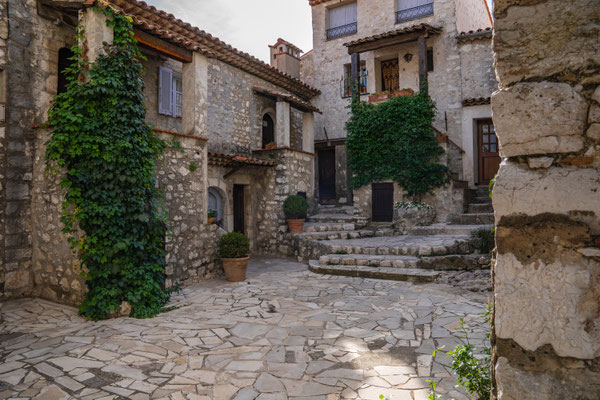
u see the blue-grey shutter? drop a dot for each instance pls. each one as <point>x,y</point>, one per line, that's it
<point>165,91</point>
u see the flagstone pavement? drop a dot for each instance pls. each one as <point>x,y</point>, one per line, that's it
<point>285,333</point>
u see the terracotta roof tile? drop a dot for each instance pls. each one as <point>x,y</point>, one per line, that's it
<point>165,26</point>
<point>409,29</point>
<point>293,100</point>
<point>288,44</point>
<point>474,35</point>
<point>234,160</point>
<point>476,101</point>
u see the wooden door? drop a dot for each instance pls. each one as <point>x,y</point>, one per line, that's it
<point>489,158</point>
<point>382,202</point>
<point>238,209</point>
<point>390,75</point>
<point>327,175</point>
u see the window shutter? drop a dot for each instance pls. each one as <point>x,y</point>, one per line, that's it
<point>406,4</point>
<point>351,13</point>
<point>343,15</point>
<point>165,91</point>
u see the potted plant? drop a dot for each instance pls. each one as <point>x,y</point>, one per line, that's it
<point>295,208</point>
<point>233,250</point>
<point>270,145</point>
<point>212,216</point>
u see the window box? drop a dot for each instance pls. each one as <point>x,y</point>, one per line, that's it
<point>383,96</point>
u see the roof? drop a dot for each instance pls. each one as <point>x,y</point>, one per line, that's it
<point>474,35</point>
<point>233,160</point>
<point>297,103</point>
<point>476,101</point>
<point>288,44</point>
<point>315,2</point>
<point>426,28</point>
<point>165,26</point>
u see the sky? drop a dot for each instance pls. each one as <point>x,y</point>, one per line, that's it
<point>249,25</point>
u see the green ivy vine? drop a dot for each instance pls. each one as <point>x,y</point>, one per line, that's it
<point>394,140</point>
<point>107,155</point>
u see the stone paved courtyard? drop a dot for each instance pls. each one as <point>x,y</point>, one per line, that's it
<point>285,333</point>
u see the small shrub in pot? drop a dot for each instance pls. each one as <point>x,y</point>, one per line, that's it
<point>212,216</point>
<point>234,248</point>
<point>295,208</point>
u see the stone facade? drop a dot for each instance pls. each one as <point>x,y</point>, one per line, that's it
<point>462,70</point>
<point>547,273</point>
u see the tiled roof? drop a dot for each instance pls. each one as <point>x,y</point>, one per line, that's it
<point>410,29</point>
<point>476,101</point>
<point>232,160</point>
<point>293,100</point>
<point>474,35</point>
<point>165,26</point>
<point>288,44</point>
<point>315,2</point>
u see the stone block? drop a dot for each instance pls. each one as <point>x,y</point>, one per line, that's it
<point>538,118</point>
<point>593,132</point>
<point>17,280</point>
<point>535,39</point>
<point>521,191</point>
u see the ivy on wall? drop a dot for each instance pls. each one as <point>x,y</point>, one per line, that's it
<point>108,153</point>
<point>394,140</point>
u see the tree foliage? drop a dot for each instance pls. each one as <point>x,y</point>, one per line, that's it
<point>107,153</point>
<point>394,140</point>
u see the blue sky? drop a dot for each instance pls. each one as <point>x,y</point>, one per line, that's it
<point>249,25</point>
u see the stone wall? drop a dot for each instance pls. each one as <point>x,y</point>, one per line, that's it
<point>3,98</point>
<point>546,200</point>
<point>477,76</point>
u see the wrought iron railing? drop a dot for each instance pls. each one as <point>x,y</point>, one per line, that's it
<point>415,12</point>
<point>343,30</point>
<point>348,85</point>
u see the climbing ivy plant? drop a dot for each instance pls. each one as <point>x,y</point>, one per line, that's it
<point>394,140</point>
<point>107,154</point>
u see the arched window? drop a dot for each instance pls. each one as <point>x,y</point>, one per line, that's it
<point>268,130</point>
<point>215,202</point>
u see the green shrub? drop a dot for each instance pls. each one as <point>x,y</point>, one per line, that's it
<point>485,240</point>
<point>295,206</point>
<point>193,166</point>
<point>212,214</point>
<point>234,245</point>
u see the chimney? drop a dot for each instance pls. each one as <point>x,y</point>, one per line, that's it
<point>286,57</point>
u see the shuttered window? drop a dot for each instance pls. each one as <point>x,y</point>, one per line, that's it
<point>412,9</point>
<point>342,20</point>
<point>170,92</point>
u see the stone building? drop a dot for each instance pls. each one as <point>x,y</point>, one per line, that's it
<point>217,107</point>
<point>396,44</point>
<point>547,200</point>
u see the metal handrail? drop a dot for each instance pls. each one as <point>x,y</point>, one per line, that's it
<point>343,30</point>
<point>414,12</point>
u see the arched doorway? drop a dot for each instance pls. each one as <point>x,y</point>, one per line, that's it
<point>268,130</point>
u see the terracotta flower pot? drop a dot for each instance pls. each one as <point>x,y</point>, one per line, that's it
<point>212,220</point>
<point>295,225</point>
<point>235,268</point>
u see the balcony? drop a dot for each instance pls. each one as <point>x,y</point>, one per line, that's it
<point>343,30</point>
<point>414,13</point>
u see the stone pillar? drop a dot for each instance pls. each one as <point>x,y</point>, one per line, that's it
<point>546,327</point>
<point>96,32</point>
<point>282,126</point>
<point>308,132</point>
<point>195,95</point>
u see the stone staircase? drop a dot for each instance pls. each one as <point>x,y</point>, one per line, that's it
<point>332,244</point>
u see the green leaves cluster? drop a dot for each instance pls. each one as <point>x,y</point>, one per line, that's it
<point>108,154</point>
<point>394,140</point>
<point>295,206</point>
<point>234,245</point>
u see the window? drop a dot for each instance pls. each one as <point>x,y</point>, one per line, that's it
<point>342,21</point>
<point>413,9</point>
<point>64,62</point>
<point>429,60</point>
<point>347,81</point>
<point>170,92</point>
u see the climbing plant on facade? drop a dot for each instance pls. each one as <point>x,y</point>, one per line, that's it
<point>394,140</point>
<point>107,153</point>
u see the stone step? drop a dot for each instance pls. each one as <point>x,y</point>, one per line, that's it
<point>325,209</point>
<point>480,208</point>
<point>481,200</point>
<point>474,219</point>
<point>369,260</point>
<point>405,245</point>
<point>446,229</point>
<point>339,218</point>
<point>414,275</point>
<point>455,262</point>
<point>337,235</point>
<point>328,226</point>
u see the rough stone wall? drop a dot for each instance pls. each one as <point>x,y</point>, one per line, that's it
<point>192,244</point>
<point>293,174</point>
<point>546,200</point>
<point>151,91</point>
<point>3,89</point>
<point>478,77</point>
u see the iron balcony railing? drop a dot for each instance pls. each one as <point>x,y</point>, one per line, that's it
<point>343,30</point>
<point>414,13</point>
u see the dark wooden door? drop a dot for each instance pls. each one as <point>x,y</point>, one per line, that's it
<point>382,202</point>
<point>390,75</point>
<point>268,131</point>
<point>238,209</point>
<point>326,174</point>
<point>489,158</point>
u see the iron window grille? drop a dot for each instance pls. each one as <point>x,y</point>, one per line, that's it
<point>347,84</point>
<point>343,30</point>
<point>414,12</point>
